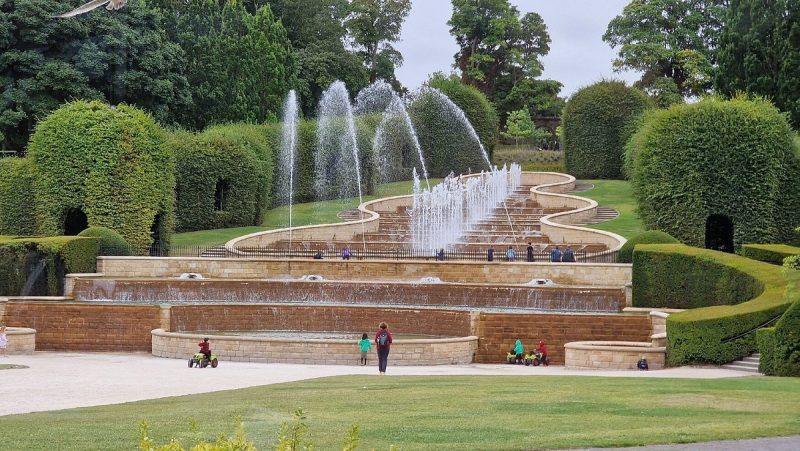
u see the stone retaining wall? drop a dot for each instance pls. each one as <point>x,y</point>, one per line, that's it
<point>21,340</point>
<point>581,274</point>
<point>444,351</point>
<point>618,355</point>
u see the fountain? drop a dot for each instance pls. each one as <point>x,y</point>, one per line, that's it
<point>396,126</point>
<point>439,216</point>
<point>374,99</point>
<point>286,166</point>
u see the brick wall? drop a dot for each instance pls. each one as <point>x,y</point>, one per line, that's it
<point>499,331</point>
<point>85,327</point>
<point>318,318</point>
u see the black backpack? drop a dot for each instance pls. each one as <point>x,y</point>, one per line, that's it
<point>642,364</point>
<point>383,338</point>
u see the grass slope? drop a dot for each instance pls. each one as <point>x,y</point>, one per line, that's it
<point>465,412</point>
<point>616,194</point>
<point>302,214</point>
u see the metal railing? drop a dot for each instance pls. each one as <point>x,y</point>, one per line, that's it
<point>359,253</point>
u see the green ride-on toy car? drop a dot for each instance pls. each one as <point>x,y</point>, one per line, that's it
<point>200,361</point>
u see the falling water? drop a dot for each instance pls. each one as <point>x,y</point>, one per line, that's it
<point>395,121</point>
<point>374,99</point>
<point>338,167</point>
<point>460,116</point>
<point>288,150</point>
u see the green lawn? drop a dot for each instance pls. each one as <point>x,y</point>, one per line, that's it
<point>616,194</point>
<point>440,413</point>
<point>302,214</point>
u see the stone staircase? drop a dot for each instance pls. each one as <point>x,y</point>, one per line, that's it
<point>748,364</point>
<point>603,214</point>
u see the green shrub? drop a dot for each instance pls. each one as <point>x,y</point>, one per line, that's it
<point>731,158</point>
<point>36,266</point>
<point>649,237</point>
<point>769,253</point>
<point>17,214</point>
<point>595,125</point>
<point>787,338</point>
<point>476,106</point>
<point>111,242</point>
<point>765,340</point>
<point>678,276</point>
<point>111,164</point>
<point>218,182</point>
<point>792,262</point>
<point>446,143</point>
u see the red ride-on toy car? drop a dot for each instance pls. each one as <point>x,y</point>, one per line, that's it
<point>200,361</point>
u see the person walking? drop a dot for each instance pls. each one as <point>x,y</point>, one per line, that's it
<point>383,340</point>
<point>364,346</point>
<point>529,251</point>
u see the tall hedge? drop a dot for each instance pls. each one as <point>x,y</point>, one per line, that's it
<point>109,162</point>
<point>596,125</point>
<point>732,158</point>
<point>729,297</point>
<point>17,215</point>
<point>36,266</point>
<point>769,253</point>
<point>203,162</point>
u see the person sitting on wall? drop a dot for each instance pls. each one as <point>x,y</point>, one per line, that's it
<point>569,256</point>
<point>555,255</point>
<point>205,348</point>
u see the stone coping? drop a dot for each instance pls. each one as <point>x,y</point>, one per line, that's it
<point>198,336</point>
<point>21,340</point>
<point>639,346</point>
<point>651,311</point>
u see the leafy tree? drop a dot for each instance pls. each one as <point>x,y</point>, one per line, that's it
<point>120,58</point>
<point>669,38</point>
<point>760,52</point>
<point>239,64</point>
<point>373,26</point>
<point>495,42</point>
<point>540,97</point>
<point>519,125</point>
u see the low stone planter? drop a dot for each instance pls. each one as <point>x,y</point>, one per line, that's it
<point>434,351</point>
<point>21,340</point>
<point>614,355</point>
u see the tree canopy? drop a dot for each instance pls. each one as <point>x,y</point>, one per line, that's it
<point>374,25</point>
<point>759,52</point>
<point>676,39</point>
<point>122,57</point>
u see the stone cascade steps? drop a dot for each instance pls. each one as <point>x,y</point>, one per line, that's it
<point>215,252</point>
<point>747,364</point>
<point>603,214</point>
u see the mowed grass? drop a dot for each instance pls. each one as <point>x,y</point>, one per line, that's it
<point>616,194</point>
<point>302,214</point>
<point>442,413</point>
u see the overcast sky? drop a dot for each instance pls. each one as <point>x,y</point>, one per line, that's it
<point>578,56</point>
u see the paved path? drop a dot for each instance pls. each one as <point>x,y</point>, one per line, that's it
<point>759,444</point>
<point>56,381</point>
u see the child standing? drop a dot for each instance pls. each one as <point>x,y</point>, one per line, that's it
<point>365,345</point>
<point>3,340</point>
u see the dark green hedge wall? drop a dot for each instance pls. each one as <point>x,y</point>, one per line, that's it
<point>769,253</point>
<point>649,237</point>
<point>476,106</point>
<point>17,214</point>
<point>733,158</point>
<point>596,126</point>
<point>109,162</point>
<point>204,160</point>
<point>786,354</point>
<point>111,242</point>
<point>765,340</point>
<point>36,266</point>
<point>674,275</point>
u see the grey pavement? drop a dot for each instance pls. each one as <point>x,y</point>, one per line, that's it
<point>791,443</point>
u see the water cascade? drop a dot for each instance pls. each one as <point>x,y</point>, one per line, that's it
<point>394,129</point>
<point>374,99</point>
<point>440,215</point>
<point>288,150</point>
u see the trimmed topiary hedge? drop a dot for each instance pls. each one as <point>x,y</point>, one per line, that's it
<point>649,237</point>
<point>730,158</point>
<point>596,126</point>
<point>107,163</point>
<point>679,276</point>
<point>479,110</point>
<point>769,253</point>
<point>765,340</point>
<point>786,353</point>
<point>17,214</point>
<point>36,266</point>
<point>111,242</point>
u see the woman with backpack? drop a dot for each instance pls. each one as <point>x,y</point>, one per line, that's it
<point>383,340</point>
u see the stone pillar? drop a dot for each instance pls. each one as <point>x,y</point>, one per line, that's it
<point>164,317</point>
<point>628,295</point>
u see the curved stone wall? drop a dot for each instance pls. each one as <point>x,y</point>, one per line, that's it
<point>438,351</point>
<point>21,340</point>
<point>614,355</point>
<point>547,190</point>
